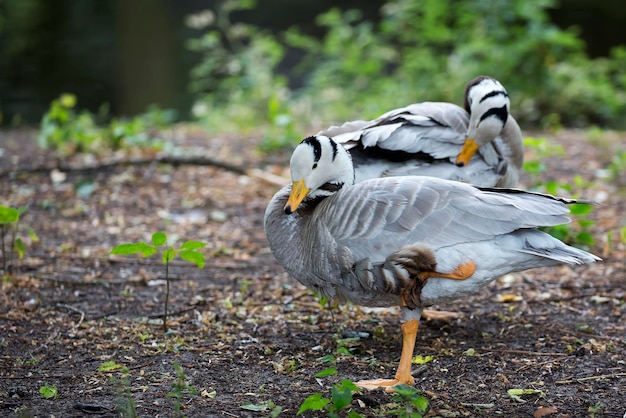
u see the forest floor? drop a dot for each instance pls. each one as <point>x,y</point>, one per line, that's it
<point>245,340</point>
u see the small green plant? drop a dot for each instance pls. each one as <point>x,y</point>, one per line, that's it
<point>188,251</point>
<point>181,390</point>
<point>595,409</point>
<point>68,131</point>
<point>9,226</point>
<point>341,398</point>
<point>410,403</point>
<point>48,391</point>
<point>126,405</point>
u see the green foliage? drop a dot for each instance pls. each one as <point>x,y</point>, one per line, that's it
<point>578,232</point>
<point>68,131</point>
<point>341,398</point>
<point>410,403</point>
<point>419,50</point>
<point>188,251</point>
<point>181,390</point>
<point>9,228</point>
<point>237,68</point>
<point>126,405</point>
<point>48,391</point>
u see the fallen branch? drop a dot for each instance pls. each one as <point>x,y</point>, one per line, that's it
<point>585,379</point>
<point>164,159</point>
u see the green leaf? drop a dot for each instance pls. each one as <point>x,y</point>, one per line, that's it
<point>327,372</point>
<point>85,188</point>
<point>422,359</point>
<point>169,255</point>
<point>192,245</point>
<point>585,238</point>
<point>327,358</point>
<point>260,407</point>
<point>67,100</point>
<point>193,257</point>
<point>516,394</point>
<point>8,215</point>
<point>580,209</point>
<point>109,366</point>
<point>48,391</point>
<point>342,397</point>
<point>422,403</point>
<point>139,247</point>
<point>33,236</point>
<point>20,247</point>
<point>313,402</point>
<point>159,238</point>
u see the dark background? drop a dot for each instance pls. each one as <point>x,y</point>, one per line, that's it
<point>130,54</point>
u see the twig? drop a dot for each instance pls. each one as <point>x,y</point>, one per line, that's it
<point>71,308</point>
<point>528,353</point>
<point>585,379</point>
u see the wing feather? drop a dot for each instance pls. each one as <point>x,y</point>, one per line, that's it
<point>380,215</point>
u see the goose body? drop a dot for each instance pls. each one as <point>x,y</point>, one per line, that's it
<point>408,241</point>
<point>480,144</point>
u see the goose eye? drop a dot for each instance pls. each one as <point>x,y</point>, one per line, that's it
<point>314,166</point>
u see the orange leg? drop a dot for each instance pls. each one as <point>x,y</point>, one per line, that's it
<point>462,272</point>
<point>413,291</point>
<point>403,375</point>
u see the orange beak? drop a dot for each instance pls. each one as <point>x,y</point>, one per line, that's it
<point>469,149</point>
<point>297,195</point>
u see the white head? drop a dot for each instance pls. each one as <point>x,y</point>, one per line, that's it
<point>319,168</point>
<point>488,104</point>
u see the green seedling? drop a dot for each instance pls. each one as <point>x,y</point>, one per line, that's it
<point>181,390</point>
<point>341,398</point>
<point>188,251</point>
<point>9,228</point>
<point>69,131</point>
<point>412,404</point>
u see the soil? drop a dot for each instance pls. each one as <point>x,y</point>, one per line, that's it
<point>243,338</point>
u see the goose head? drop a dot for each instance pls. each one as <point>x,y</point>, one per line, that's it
<point>488,104</point>
<point>319,168</point>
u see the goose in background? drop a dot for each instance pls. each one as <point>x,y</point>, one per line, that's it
<point>481,144</point>
<point>410,241</point>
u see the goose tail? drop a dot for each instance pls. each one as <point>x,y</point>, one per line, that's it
<point>544,245</point>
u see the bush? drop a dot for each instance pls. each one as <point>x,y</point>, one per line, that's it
<point>419,50</point>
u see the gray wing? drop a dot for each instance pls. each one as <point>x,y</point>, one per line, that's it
<point>434,128</point>
<point>381,215</point>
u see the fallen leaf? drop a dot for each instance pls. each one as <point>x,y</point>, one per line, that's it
<point>544,410</point>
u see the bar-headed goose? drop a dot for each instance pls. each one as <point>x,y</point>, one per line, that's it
<point>404,241</point>
<point>481,144</point>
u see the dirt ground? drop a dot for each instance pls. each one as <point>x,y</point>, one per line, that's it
<point>247,338</point>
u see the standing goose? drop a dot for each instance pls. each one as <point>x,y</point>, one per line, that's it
<point>404,241</point>
<point>481,144</point>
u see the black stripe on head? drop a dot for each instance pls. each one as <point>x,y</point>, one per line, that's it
<point>474,82</point>
<point>315,144</point>
<point>334,145</point>
<point>493,94</point>
<point>499,112</point>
